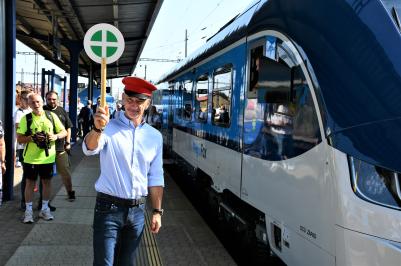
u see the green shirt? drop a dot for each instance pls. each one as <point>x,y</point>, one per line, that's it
<point>32,153</point>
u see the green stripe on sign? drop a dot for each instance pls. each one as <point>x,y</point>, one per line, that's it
<point>111,37</point>
<point>97,37</point>
<point>110,51</point>
<point>97,50</point>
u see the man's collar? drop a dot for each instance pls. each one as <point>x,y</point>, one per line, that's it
<point>126,120</point>
<point>40,114</point>
<point>50,108</point>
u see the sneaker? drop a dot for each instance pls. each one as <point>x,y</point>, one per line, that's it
<point>46,215</point>
<point>18,164</point>
<point>71,196</point>
<point>28,218</point>
<point>51,207</point>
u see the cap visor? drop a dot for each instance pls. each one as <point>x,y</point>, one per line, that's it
<point>137,95</point>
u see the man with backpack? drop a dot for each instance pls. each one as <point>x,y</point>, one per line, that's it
<point>40,153</point>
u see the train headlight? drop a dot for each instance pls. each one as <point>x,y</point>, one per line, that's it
<point>376,184</point>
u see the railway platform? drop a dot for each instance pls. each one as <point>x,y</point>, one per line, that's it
<point>184,239</point>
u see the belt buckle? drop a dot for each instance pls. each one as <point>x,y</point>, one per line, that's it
<point>137,202</point>
<point>134,203</point>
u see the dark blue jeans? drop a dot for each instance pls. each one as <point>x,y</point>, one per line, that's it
<point>117,231</point>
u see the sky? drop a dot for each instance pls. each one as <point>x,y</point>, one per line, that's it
<point>201,19</point>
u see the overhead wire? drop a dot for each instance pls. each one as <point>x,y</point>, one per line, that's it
<point>194,32</point>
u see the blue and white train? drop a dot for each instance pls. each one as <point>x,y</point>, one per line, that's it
<point>291,117</point>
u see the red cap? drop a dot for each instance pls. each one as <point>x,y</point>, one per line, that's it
<point>137,87</point>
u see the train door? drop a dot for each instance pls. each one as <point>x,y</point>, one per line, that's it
<point>284,171</point>
<point>183,139</point>
<point>200,118</point>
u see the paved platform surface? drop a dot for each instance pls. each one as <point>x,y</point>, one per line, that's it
<point>184,238</point>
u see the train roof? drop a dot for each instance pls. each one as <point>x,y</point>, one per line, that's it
<point>234,30</point>
<point>352,51</point>
<point>264,14</point>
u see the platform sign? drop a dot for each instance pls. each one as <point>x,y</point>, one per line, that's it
<point>104,44</point>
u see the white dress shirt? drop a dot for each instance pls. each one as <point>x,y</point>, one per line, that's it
<point>131,158</point>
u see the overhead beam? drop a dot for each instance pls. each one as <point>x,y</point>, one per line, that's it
<point>49,17</point>
<point>60,8</point>
<point>23,25</point>
<point>66,4</point>
<point>127,3</point>
<point>115,13</point>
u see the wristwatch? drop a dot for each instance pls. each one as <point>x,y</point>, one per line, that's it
<point>159,211</point>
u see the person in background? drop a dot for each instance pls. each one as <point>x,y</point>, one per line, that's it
<point>86,117</point>
<point>131,164</point>
<point>119,107</point>
<point>63,145</point>
<point>39,153</point>
<point>79,105</point>
<point>2,160</point>
<point>153,118</point>
<point>94,107</point>
<point>21,111</point>
<point>224,116</point>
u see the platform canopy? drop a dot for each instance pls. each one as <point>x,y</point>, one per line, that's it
<point>49,27</point>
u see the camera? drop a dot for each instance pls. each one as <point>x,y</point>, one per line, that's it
<point>42,140</point>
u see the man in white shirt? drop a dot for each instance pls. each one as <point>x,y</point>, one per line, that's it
<point>131,164</point>
<point>21,111</point>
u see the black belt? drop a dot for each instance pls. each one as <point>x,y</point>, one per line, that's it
<point>121,201</point>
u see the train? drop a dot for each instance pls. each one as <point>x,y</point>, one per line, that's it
<point>289,118</point>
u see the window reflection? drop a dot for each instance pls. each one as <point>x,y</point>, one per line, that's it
<point>187,100</point>
<point>280,117</point>
<point>221,96</point>
<point>201,100</point>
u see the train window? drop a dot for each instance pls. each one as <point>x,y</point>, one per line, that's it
<point>264,47</point>
<point>201,98</point>
<point>281,123</point>
<point>221,96</point>
<point>178,102</point>
<point>254,74</point>
<point>186,100</point>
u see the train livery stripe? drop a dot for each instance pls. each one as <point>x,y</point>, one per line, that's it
<point>220,140</point>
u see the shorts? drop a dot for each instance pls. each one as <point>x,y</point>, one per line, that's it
<point>32,171</point>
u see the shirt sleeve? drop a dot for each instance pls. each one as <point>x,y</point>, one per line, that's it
<point>156,175</point>
<point>57,123</point>
<point>22,126</point>
<point>18,116</point>
<point>102,142</point>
